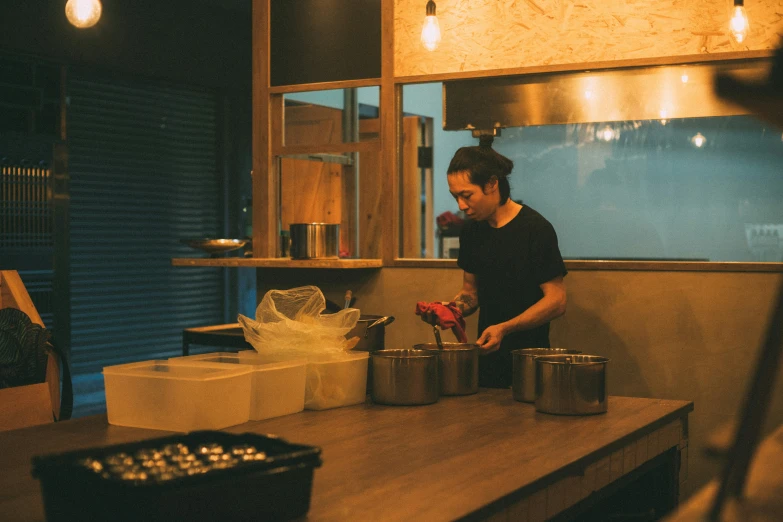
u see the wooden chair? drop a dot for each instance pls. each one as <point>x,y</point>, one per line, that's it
<point>32,404</point>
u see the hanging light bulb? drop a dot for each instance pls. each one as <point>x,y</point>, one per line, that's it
<point>738,23</point>
<point>698,140</point>
<point>608,134</point>
<point>430,33</point>
<point>663,113</point>
<point>83,13</point>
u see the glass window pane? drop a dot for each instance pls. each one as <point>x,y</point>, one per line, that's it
<point>688,189</point>
<point>683,189</point>
<point>426,153</point>
<point>325,188</point>
<point>321,118</point>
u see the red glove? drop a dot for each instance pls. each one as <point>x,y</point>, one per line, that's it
<point>447,219</point>
<point>447,316</point>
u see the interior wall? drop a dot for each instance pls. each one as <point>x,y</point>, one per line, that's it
<point>191,42</point>
<point>482,35</point>
<point>671,335</point>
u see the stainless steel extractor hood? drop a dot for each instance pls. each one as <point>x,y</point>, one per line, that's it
<point>623,94</point>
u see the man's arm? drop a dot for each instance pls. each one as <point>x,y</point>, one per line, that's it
<point>467,298</point>
<point>551,306</point>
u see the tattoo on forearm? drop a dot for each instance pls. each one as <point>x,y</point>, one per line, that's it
<point>467,303</point>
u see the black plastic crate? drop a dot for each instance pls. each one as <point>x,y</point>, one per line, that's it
<point>275,488</point>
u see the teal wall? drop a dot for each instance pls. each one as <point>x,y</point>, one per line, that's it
<point>650,192</point>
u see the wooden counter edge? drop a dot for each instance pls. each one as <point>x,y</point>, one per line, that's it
<point>254,262</point>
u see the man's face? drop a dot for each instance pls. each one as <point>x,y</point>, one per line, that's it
<point>477,204</point>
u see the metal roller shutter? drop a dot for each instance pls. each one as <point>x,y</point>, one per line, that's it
<point>143,175</point>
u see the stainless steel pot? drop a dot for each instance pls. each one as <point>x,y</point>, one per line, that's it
<point>371,330</point>
<point>571,384</point>
<point>404,377</point>
<point>458,367</point>
<point>523,383</point>
<point>314,240</point>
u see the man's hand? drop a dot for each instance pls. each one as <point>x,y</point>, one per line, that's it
<point>490,338</point>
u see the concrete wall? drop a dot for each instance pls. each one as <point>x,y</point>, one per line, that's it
<point>671,335</point>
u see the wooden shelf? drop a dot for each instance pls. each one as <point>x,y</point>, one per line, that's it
<point>277,262</point>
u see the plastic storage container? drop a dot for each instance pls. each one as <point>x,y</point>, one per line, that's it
<point>330,382</point>
<point>276,389</point>
<point>335,383</point>
<point>164,396</point>
<point>275,487</point>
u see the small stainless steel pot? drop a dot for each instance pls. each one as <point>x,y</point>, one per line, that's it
<point>370,329</point>
<point>314,240</point>
<point>523,383</point>
<point>571,384</point>
<point>458,367</point>
<point>404,377</point>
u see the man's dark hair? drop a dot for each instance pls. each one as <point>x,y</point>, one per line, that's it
<point>483,163</point>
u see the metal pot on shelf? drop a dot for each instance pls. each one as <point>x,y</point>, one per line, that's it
<point>314,240</point>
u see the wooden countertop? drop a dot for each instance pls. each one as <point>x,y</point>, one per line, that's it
<point>437,462</point>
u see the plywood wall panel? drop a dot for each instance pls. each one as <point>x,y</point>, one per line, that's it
<point>480,35</point>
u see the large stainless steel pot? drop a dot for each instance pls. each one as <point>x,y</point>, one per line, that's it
<point>314,240</point>
<point>404,377</point>
<point>571,384</point>
<point>458,367</point>
<point>523,383</point>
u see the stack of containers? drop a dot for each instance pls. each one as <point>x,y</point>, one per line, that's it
<point>164,396</point>
<point>290,324</point>
<point>331,380</point>
<point>276,388</point>
<point>332,383</point>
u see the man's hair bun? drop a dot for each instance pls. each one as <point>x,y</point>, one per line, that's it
<point>485,141</point>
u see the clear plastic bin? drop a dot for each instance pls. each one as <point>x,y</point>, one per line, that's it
<point>163,396</point>
<point>277,388</point>
<point>331,383</point>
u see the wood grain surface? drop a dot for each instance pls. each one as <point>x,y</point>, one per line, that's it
<point>437,462</point>
<point>276,262</point>
<point>505,34</point>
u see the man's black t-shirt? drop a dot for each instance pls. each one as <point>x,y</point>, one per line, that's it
<point>510,263</point>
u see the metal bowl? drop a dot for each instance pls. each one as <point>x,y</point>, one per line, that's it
<point>215,246</point>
